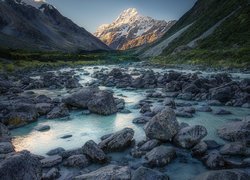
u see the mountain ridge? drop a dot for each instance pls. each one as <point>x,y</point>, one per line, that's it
<point>131,29</point>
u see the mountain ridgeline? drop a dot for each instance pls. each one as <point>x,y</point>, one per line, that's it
<point>35,25</point>
<point>212,32</point>
<point>131,30</point>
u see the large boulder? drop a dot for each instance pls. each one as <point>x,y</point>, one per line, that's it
<point>162,126</point>
<point>188,137</point>
<point>92,150</point>
<point>232,174</point>
<point>107,172</point>
<point>6,147</point>
<point>234,148</point>
<point>118,141</point>
<point>160,156</point>
<point>235,131</point>
<point>102,103</point>
<point>80,161</point>
<point>80,99</point>
<point>59,111</point>
<point>148,174</point>
<point>222,94</point>
<point>21,166</point>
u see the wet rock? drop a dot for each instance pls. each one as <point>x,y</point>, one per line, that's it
<point>222,94</point>
<point>162,126</point>
<point>211,144</point>
<point>214,103</point>
<point>188,137</point>
<point>232,174</point>
<point>42,128</point>
<point>20,166</point>
<point>136,153</point>
<point>214,160</point>
<point>43,108</point>
<point>117,141</point>
<point>222,112</point>
<point>149,145</point>
<point>51,161</point>
<point>148,174</point>
<point>183,114</point>
<point>6,147</point>
<point>169,102</point>
<point>160,156</point>
<point>235,131</point>
<point>51,174</point>
<point>108,172</point>
<point>58,112</point>
<point>145,108</point>
<point>80,161</point>
<point>234,148</point>
<point>72,83</point>
<point>55,151</point>
<point>92,150</point>
<point>120,103</point>
<point>125,111</point>
<point>71,152</point>
<point>102,103</point>
<point>141,120</point>
<point>66,136</point>
<point>4,133</point>
<point>204,109</point>
<point>200,149</point>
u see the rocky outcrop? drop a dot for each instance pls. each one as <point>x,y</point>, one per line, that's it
<point>21,166</point>
<point>51,161</point>
<point>188,137</point>
<point>117,141</point>
<point>80,161</point>
<point>162,126</point>
<point>107,172</point>
<point>59,111</point>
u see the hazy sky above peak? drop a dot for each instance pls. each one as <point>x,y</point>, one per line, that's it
<point>92,13</point>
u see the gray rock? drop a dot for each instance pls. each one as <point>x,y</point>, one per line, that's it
<point>107,172</point>
<point>214,103</point>
<point>56,151</point>
<point>51,174</point>
<point>42,128</point>
<point>183,114</point>
<point>169,102</point>
<point>4,133</point>
<point>214,160</point>
<point>160,156</point>
<point>71,152</point>
<point>149,145</point>
<point>58,112</point>
<point>148,174</point>
<point>6,147</point>
<point>232,174</point>
<point>222,94</point>
<point>141,120</point>
<point>66,136</point>
<point>145,108</point>
<point>235,131</point>
<point>234,148</point>
<point>200,149</point>
<point>51,161</point>
<point>204,109</point>
<point>117,141</point>
<point>222,112</point>
<point>43,108</point>
<point>20,166</point>
<point>102,103</point>
<point>80,161</point>
<point>188,137</point>
<point>162,126</point>
<point>92,150</point>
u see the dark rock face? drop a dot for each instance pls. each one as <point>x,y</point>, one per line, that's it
<point>200,149</point>
<point>108,172</point>
<point>58,112</point>
<point>160,156</point>
<point>235,131</point>
<point>56,151</point>
<point>188,137</point>
<point>92,150</point>
<point>21,166</point>
<point>148,174</point>
<point>6,147</point>
<point>80,161</point>
<point>233,174</point>
<point>149,145</point>
<point>234,148</point>
<point>102,103</point>
<point>97,101</point>
<point>162,126</point>
<point>51,174</point>
<point>117,141</point>
<point>214,160</point>
<point>51,161</point>
<point>4,133</point>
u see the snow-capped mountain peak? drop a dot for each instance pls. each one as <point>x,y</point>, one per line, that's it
<point>131,29</point>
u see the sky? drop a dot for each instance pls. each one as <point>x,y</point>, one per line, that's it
<point>90,14</point>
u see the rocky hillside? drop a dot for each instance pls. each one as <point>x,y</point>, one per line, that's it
<point>131,29</point>
<point>212,32</point>
<point>35,25</point>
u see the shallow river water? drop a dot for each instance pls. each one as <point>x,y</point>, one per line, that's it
<point>86,127</point>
